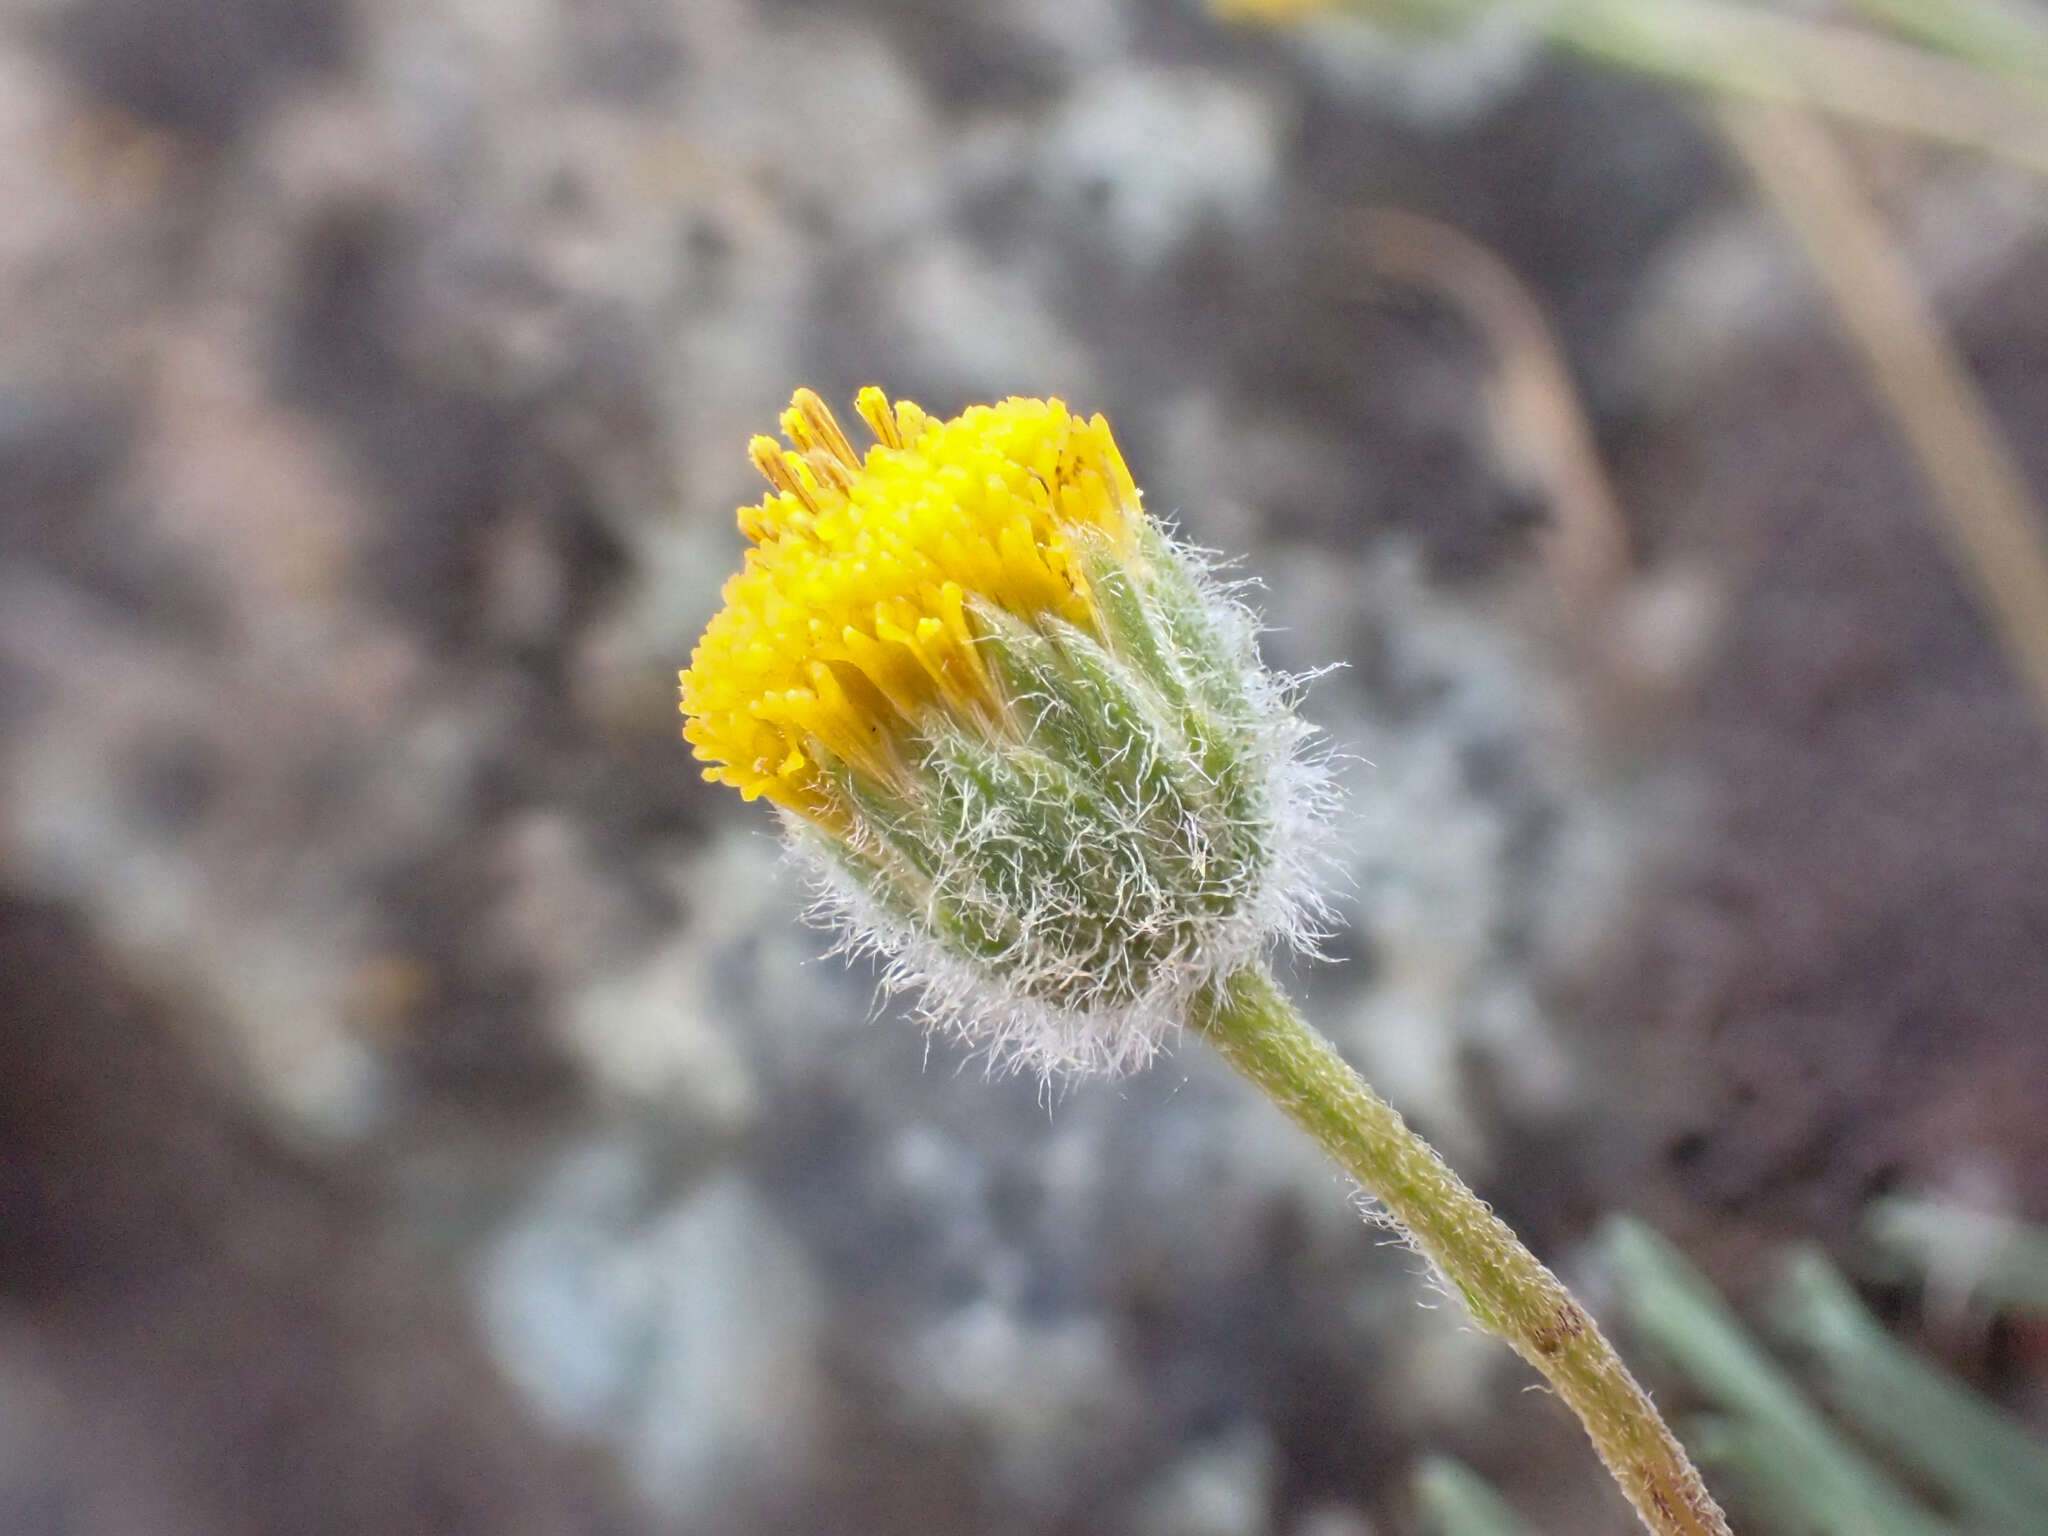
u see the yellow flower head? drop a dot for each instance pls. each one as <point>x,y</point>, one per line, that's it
<point>1022,738</point>
<point>853,615</point>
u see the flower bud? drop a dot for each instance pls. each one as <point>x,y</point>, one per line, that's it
<point>1020,734</point>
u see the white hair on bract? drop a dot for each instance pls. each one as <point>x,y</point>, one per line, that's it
<point>1110,937</point>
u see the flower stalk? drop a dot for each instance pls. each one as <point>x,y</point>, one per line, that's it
<point>1023,739</point>
<point>1508,1291</point>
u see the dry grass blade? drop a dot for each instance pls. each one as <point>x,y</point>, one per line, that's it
<point>1750,51</point>
<point>1984,508</point>
<point>1979,85</point>
<point>2010,36</point>
<point>1539,428</point>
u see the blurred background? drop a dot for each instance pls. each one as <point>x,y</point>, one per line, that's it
<point>421,1107</point>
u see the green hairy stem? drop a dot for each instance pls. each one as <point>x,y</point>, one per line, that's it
<point>1257,1030</point>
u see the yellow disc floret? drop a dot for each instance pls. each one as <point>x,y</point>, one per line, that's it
<point>855,612</point>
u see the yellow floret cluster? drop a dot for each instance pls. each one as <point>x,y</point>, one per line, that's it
<point>854,612</point>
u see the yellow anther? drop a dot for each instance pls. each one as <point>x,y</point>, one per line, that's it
<point>769,458</point>
<point>809,423</point>
<point>880,416</point>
